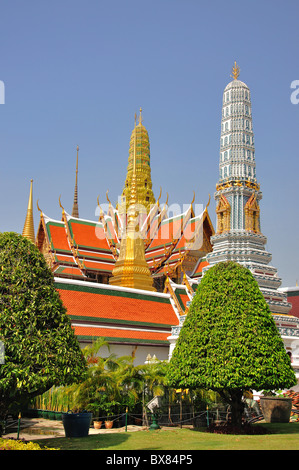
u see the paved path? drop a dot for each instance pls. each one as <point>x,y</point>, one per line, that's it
<point>39,428</point>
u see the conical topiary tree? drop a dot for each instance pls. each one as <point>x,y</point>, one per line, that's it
<point>229,341</point>
<point>41,349</point>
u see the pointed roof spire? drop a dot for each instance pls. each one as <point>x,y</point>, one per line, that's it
<point>235,71</point>
<point>28,230</point>
<point>75,211</point>
<point>140,117</point>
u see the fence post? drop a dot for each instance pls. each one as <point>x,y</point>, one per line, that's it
<point>126,428</point>
<point>19,422</point>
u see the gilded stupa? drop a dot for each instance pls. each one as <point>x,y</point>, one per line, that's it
<point>139,155</point>
<point>131,268</point>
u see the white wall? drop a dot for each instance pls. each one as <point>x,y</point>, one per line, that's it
<point>141,352</point>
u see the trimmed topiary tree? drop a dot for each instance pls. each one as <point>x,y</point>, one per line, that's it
<point>41,349</point>
<point>229,342</point>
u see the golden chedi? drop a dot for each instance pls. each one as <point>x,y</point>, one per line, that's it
<point>131,269</point>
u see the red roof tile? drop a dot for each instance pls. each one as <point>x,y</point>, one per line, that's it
<point>58,237</point>
<point>86,234</point>
<point>294,300</point>
<point>131,308</point>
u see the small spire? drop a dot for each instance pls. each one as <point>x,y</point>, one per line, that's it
<point>28,230</point>
<point>235,71</point>
<point>75,212</point>
<point>140,117</point>
<point>133,193</point>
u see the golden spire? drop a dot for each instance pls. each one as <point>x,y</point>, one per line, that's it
<point>75,212</point>
<point>139,162</point>
<point>235,71</point>
<point>28,230</point>
<point>131,268</point>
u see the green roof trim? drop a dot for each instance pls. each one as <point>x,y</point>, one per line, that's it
<point>293,293</point>
<point>178,292</point>
<point>120,322</point>
<point>125,340</point>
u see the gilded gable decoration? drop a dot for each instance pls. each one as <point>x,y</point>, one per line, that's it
<point>223,215</point>
<point>252,215</point>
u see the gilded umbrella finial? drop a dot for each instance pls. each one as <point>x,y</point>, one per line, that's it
<point>235,71</point>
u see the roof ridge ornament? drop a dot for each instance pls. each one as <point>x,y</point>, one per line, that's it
<point>235,71</point>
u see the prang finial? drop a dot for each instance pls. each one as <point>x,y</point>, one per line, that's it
<point>235,71</point>
<point>140,116</point>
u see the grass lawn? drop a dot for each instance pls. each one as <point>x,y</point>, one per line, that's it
<point>279,437</point>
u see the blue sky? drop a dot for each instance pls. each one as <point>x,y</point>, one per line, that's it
<point>75,72</point>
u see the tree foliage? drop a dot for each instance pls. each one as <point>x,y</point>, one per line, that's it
<point>229,341</point>
<point>41,349</point>
<point>113,383</point>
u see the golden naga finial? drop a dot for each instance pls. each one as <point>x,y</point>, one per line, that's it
<point>38,208</point>
<point>159,196</point>
<point>235,71</point>
<point>193,198</point>
<point>108,197</point>
<point>60,203</point>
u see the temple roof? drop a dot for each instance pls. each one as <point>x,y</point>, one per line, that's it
<point>119,314</point>
<point>78,247</point>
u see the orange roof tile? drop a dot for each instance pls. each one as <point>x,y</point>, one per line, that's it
<point>98,266</point>
<point>198,269</point>
<point>58,236</point>
<point>72,270</point>
<point>102,303</point>
<point>87,234</point>
<point>96,255</point>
